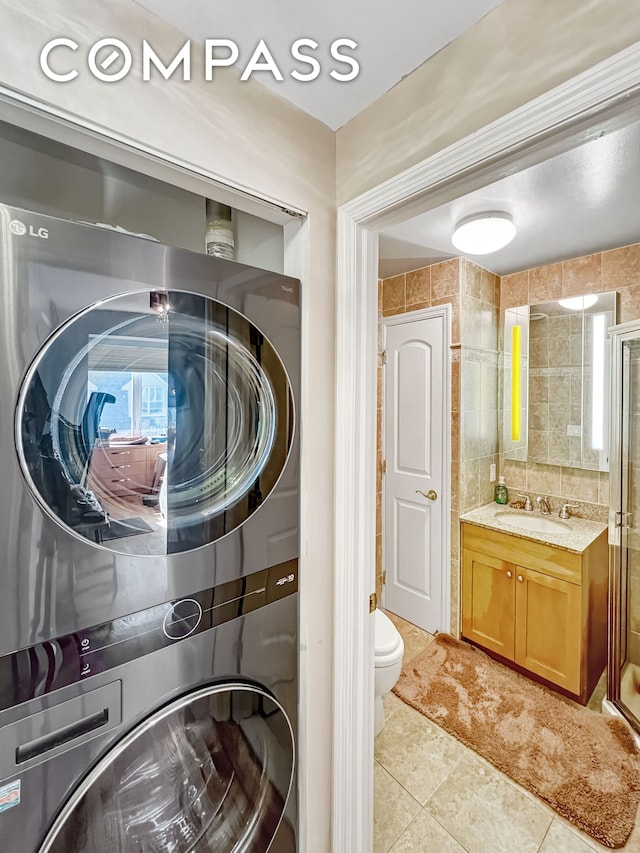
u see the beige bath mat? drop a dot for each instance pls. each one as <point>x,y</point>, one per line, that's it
<point>584,764</point>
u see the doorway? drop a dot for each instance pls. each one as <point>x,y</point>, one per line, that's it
<point>416,450</point>
<point>557,121</point>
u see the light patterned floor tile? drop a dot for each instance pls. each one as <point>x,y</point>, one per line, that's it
<point>426,834</point>
<point>560,839</point>
<point>393,810</point>
<point>391,704</point>
<point>416,752</point>
<point>486,813</point>
<point>415,639</point>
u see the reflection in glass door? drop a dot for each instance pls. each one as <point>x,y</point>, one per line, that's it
<point>154,422</point>
<point>624,527</point>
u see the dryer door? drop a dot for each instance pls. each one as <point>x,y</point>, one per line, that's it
<point>154,422</point>
<point>210,771</point>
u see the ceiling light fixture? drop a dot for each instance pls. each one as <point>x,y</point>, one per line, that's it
<point>578,303</point>
<point>484,233</point>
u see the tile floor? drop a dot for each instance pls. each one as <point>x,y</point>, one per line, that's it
<point>434,795</point>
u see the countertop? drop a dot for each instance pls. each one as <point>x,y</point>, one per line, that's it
<point>580,532</point>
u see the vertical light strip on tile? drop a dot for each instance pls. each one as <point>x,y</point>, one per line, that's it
<point>597,382</point>
<point>515,383</point>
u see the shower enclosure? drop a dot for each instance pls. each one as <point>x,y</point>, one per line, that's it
<point>623,687</point>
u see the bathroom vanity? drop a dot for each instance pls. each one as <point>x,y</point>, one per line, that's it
<point>535,597</point>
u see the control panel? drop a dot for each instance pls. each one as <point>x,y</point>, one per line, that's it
<point>48,666</point>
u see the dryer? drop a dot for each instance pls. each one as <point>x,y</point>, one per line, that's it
<point>149,457</point>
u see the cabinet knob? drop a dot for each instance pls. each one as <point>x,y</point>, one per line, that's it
<point>509,574</point>
<point>520,579</point>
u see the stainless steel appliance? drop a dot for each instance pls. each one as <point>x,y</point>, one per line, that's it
<point>149,538</point>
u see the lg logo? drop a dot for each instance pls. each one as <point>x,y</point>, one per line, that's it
<point>20,229</point>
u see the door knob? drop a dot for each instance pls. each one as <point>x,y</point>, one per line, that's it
<point>520,579</point>
<point>431,495</point>
<point>508,574</point>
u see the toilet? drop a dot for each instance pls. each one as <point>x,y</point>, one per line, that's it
<point>388,662</point>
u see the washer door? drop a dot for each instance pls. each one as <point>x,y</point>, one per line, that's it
<point>212,771</point>
<point>154,422</point>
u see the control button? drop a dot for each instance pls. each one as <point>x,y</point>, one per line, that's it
<point>182,619</point>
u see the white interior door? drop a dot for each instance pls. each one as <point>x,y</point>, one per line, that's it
<point>415,508</point>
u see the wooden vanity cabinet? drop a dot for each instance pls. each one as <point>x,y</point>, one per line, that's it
<point>539,607</point>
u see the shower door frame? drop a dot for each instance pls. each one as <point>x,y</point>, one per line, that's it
<point>618,478</point>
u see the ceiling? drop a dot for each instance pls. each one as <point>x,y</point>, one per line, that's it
<point>393,39</point>
<point>582,201</point>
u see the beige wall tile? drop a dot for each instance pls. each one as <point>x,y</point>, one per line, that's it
<point>538,444</point>
<point>580,485</point>
<point>545,283</point>
<point>469,484</point>
<point>445,279</point>
<point>603,489</point>
<point>455,386</point>
<point>543,479</point>
<point>455,435</point>
<point>454,612</point>
<point>379,294</point>
<point>391,312</point>
<point>538,352</point>
<point>515,474</point>
<point>621,267</point>
<point>418,287</point>
<point>417,306</point>
<point>488,284</point>
<point>485,487</point>
<point>455,313</point>
<point>629,303</point>
<point>393,294</point>
<point>582,275</point>
<point>514,290</point>
<point>455,536</point>
<point>471,278</point>
<point>455,484</point>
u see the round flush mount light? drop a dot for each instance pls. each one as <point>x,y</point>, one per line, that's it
<point>484,233</point>
<point>578,303</point>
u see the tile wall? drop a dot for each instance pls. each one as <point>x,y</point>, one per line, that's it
<point>616,269</point>
<point>478,298</point>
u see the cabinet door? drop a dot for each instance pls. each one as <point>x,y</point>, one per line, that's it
<point>488,602</point>
<point>548,627</point>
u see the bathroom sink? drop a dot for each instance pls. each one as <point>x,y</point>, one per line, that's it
<point>534,523</point>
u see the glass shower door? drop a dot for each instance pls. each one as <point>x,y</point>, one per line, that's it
<point>624,627</point>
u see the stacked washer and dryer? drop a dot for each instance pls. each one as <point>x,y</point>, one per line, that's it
<point>148,616</point>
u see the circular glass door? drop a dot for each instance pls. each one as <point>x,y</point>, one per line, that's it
<point>212,771</point>
<point>154,422</point>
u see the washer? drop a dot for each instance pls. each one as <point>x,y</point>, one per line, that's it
<point>170,729</point>
<point>121,354</point>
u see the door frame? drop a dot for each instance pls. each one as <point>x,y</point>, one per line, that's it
<point>551,123</point>
<point>443,311</point>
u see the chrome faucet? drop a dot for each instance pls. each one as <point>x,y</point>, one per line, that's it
<point>527,503</point>
<point>564,512</point>
<point>543,504</point>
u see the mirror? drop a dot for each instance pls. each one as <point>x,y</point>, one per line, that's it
<point>555,388</point>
